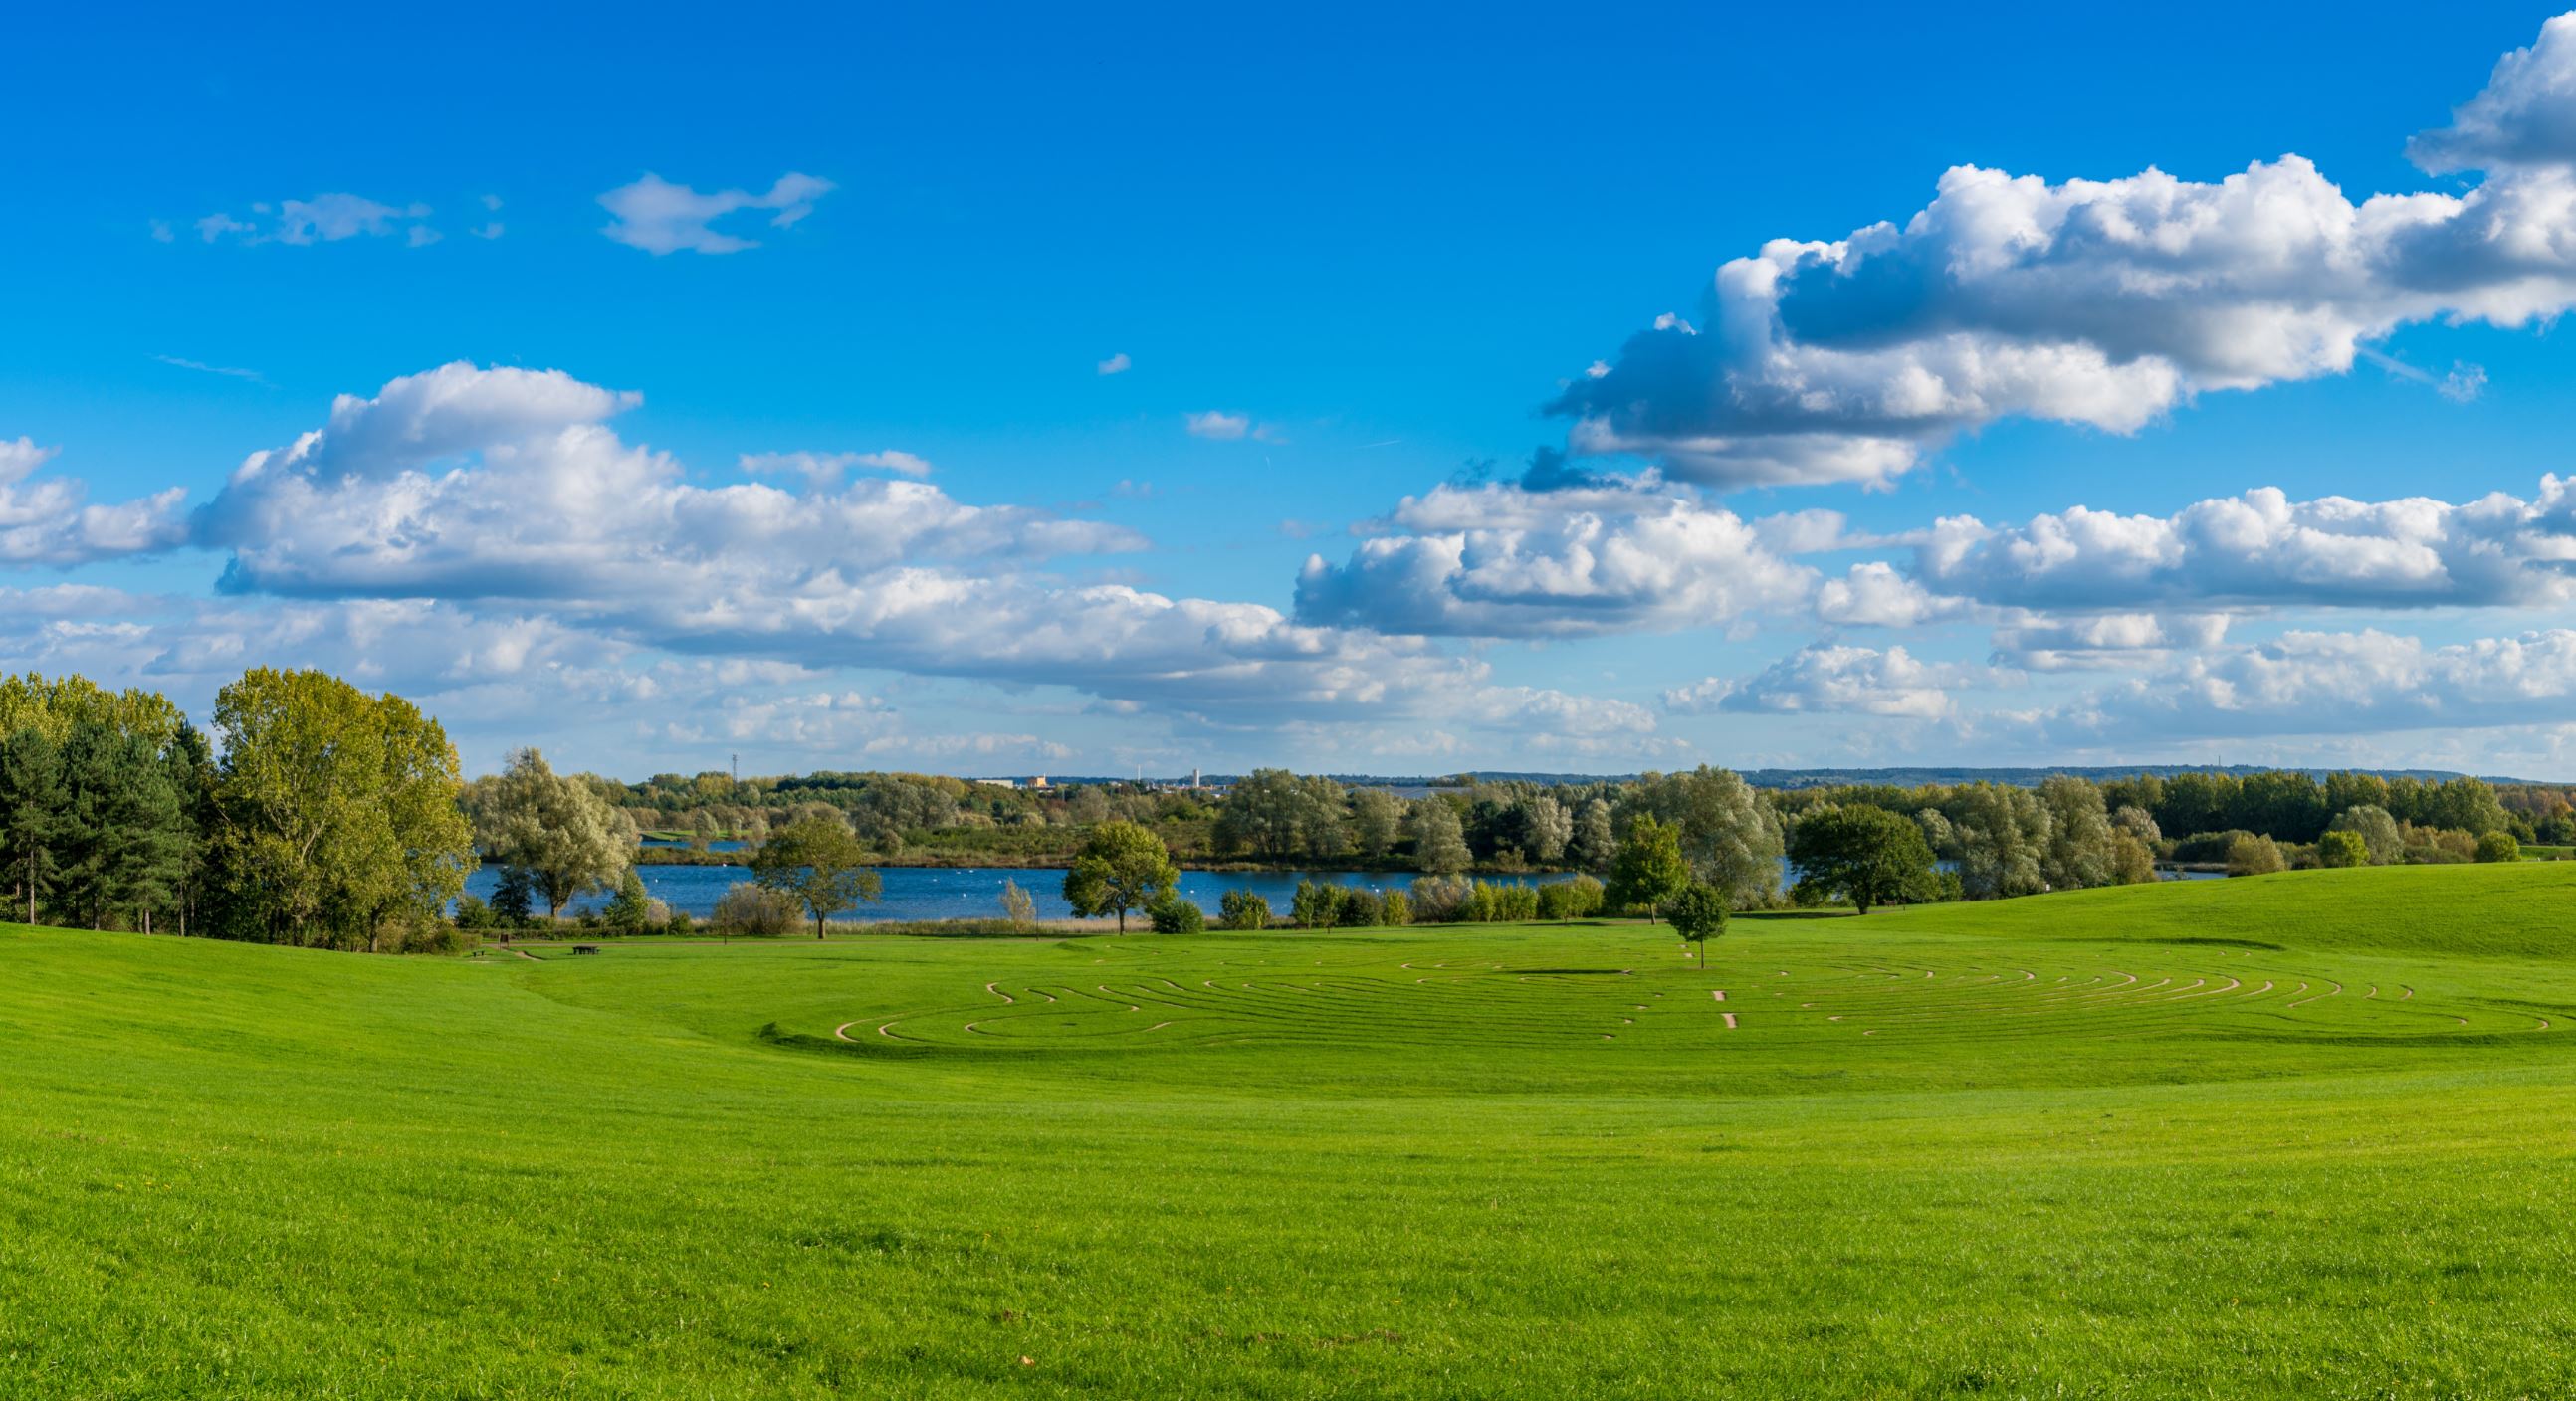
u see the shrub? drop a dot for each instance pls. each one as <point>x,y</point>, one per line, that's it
<point>1241,909</point>
<point>679,925</point>
<point>1315,905</point>
<point>472,913</point>
<point>1497,902</point>
<point>2250,855</point>
<point>1173,915</point>
<point>514,899</point>
<point>1569,899</point>
<point>2381,839</point>
<point>1018,906</point>
<point>2344,848</point>
<point>756,912</point>
<point>2208,846</point>
<point>430,936</point>
<point>1437,899</point>
<point>1357,909</point>
<point>1395,909</point>
<point>2436,846</point>
<point>632,909</point>
<point>2499,846</point>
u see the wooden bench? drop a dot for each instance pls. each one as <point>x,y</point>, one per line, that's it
<point>585,948</point>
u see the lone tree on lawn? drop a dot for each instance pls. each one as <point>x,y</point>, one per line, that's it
<point>1699,915</point>
<point>1649,869</point>
<point>1121,868</point>
<point>817,861</point>
<point>1867,855</point>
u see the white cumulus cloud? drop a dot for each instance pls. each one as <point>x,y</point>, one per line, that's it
<point>1825,678</point>
<point>2263,549</point>
<point>50,520</point>
<point>2333,684</point>
<point>1504,561</point>
<point>2096,302</point>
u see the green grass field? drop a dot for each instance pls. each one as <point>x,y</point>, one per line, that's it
<point>2306,1135</point>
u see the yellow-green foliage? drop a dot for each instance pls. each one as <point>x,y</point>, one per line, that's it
<point>52,706</point>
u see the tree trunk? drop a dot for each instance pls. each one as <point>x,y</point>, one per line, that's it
<point>818,927</point>
<point>1122,919</point>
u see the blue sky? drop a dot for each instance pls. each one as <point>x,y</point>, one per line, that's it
<point>1360,269</point>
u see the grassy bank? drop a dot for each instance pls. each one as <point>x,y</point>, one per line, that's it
<point>2298,1135</point>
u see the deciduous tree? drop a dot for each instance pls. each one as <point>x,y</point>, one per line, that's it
<point>1866,855</point>
<point>1649,869</point>
<point>820,863</point>
<point>1730,836</point>
<point>338,809</point>
<point>555,827</point>
<point>1377,821</point>
<point>1122,867</point>
<point>1594,841</point>
<point>1698,913</point>
<point>1439,843</point>
<point>2378,831</point>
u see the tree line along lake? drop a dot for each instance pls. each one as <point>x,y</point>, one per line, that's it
<point>975,892</point>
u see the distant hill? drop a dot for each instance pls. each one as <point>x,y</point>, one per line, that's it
<point>1904,777</point>
<point>1416,784</point>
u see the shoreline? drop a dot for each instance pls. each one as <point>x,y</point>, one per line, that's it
<point>655,856</point>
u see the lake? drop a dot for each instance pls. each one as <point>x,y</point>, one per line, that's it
<point>973,892</point>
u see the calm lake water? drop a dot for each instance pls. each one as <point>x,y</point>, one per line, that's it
<point>973,892</point>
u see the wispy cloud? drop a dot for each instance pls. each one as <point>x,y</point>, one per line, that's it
<point>325,218</point>
<point>823,468</point>
<point>660,217</point>
<point>1117,364</point>
<point>2464,383</point>
<point>1219,425</point>
<point>201,367</point>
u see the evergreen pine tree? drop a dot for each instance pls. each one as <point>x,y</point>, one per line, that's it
<point>122,845</point>
<point>190,762</point>
<point>31,806</point>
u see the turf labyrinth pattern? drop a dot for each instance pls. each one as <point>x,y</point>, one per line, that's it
<point>1141,997</point>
